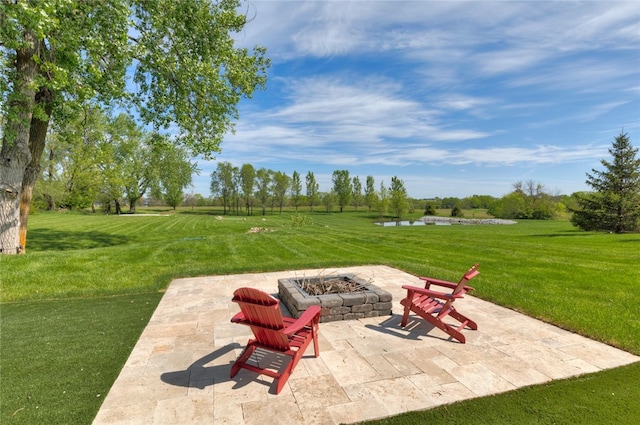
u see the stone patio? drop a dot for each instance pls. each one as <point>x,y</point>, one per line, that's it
<point>371,368</point>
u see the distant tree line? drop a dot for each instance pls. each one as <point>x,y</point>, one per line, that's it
<point>242,189</point>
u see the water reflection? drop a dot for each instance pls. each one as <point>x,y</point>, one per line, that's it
<point>400,223</point>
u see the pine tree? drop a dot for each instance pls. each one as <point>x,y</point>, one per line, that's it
<point>614,204</point>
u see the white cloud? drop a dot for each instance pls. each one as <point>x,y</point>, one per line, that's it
<point>480,94</point>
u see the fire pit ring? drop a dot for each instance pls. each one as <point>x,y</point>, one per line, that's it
<point>367,300</point>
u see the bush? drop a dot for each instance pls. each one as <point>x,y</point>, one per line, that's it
<point>430,209</point>
<point>456,212</point>
<point>299,220</point>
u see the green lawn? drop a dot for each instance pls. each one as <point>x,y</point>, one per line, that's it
<point>89,283</point>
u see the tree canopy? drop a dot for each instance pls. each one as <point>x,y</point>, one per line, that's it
<point>57,55</point>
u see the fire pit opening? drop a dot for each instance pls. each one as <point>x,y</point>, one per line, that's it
<point>341,297</point>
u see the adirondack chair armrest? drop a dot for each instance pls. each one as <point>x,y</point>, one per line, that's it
<point>430,293</point>
<point>444,283</point>
<point>307,317</point>
<point>238,318</point>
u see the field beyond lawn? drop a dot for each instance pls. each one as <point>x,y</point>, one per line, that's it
<point>88,285</point>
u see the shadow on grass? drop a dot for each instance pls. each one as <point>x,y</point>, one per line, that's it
<point>561,234</point>
<point>55,240</point>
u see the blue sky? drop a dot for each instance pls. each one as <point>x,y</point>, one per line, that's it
<point>454,98</point>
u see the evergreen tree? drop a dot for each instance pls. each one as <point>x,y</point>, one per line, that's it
<point>614,204</point>
<point>430,209</point>
<point>457,212</point>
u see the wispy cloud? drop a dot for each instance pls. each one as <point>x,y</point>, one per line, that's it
<point>485,92</point>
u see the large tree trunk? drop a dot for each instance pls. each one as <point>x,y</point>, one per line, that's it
<point>37,139</point>
<point>15,154</point>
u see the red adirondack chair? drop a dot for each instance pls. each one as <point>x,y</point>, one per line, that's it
<point>273,332</point>
<point>434,306</point>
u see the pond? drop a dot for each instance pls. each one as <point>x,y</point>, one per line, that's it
<point>404,223</point>
<point>443,221</point>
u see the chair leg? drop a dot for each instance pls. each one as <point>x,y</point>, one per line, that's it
<point>284,376</point>
<point>248,351</point>
<point>316,349</point>
<point>438,323</point>
<point>405,315</point>
<point>455,333</point>
<point>463,319</point>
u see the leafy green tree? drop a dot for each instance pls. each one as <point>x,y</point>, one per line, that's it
<point>137,159</point>
<point>342,187</point>
<point>509,206</point>
<point>74,158</point>
<point>175,172</point>
<point>398,199</point>
<point>370,196</point>
<point>614,204</point>
<point>312,189</point>
<point>248,177</point>
<point>528,201</point>
<point>222,184</point>
<point>537,203</point>
<point>55,53</point>
<point>280,186</point>
<point>111,165</point>
<point>101,159</point>
<point>357,192</point>
<point>382,200</point>
<point>329,200</point>
<point>263,185</point>
<point>479,201</point>
<point>296,189</point>
<point>449,203</point>
<point>49,190</point>
<point>236,184</point>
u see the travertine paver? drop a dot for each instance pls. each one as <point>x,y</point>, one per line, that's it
<point>370,368</point>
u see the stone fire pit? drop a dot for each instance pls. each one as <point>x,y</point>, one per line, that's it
<point>355,299</point>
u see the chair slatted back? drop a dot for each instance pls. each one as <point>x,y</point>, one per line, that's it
<point>470,274</point>
<point>262,314</point>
